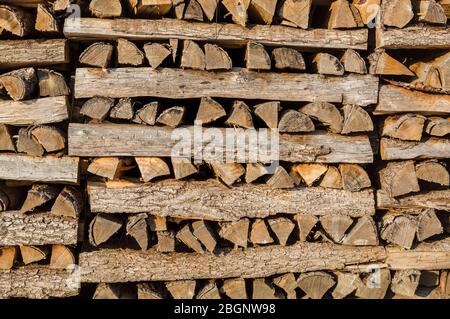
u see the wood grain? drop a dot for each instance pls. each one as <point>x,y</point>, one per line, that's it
<point>413,37</point>
<point>433,147</point>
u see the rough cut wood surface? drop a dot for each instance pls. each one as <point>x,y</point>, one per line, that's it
<point>438,199</point>
<point>32,112</point>
<point>108,265</point>
<point>17,228</point>
<point>231,34</point>
<point>99,140</point>
<point>391,149</point>
<point>414,37</point>
<point>20,53</point>
<point>37,282</point>
<point>39,169</point>
<point>181,84</point>
<point>212,200</point>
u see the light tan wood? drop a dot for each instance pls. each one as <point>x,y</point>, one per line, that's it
<point>296,12</point>
<point>229,173</point>
<point>19,84</point>
<point>326,113</point>
<point>354,177</point>
<point>336,226</point>
<point>254,171</point>
<point>332,178</point>
<point>446,5</point>
<point>32,254</point>
<point>51,138</point>
<point>305,224</point>
<point>136,227</point>
<point>288,283</point>
<point>356,119</point>
<point>282,228</point>
<point>368,10</point>
<point>429,225</point>
<point>124,109</point>
<point>6,139</point>
<point>97,54</point>
<point>438,126</point>
<point>405,282</point>
<point>97,108</point>
<point>288,59</point>
<point>263,290</point>
<point>363,233</point>
<point>353,63</point>
<point>238,10</point>
<point>102,227</point>
<point>152,167</point>
<point>382,63</point>
<point>68,203</point>
<point>147,114</point>
<point>172,116</point>
<point>431,199</point>
<point>234,288</point>
<point>193,56</point>
<point>157,223</point>
<point>280,179</point>
<point>426,75</point>
<point>209,111</point>
<point>407,127</point>
<point>7,257</point>
<point>209,291</point>
<point>310,173</point>
<point>259,234</point>
<point>236,232</point>
<point>148,291</point>
<point>433,172</point>
<point>186,236</point>
<point>397,13</point>
<point>15,20</point>
<point>108,167</point>
<point>315,284</point>
<point>193,11</point>
<point>430,11</point>
<point>150,8</point>
<point>128,53</point>
<point>51,83</point>
<point>268,113</point>
<point>240,115</point>
<point>45,21</point>
<point>156,53</point>
<point>256,57</point>
<point>216,58</point>
<point>400,230</point>
<point>325,63</point>
<point>105,8</point>
<point>433,147</point>
<point>179,9</point>
<point>61,258</point>
<point>204,234</point>
<point>209,8</point>
<point>183,167</point>
<point>413,37</point>
<point>166,241</point>
<point>442,65</point>
<point>375,285</point>
<point>343,17</point>
<point>399,178</point>
<point>38,195</point>
<point>112,291</point>
<point>28,144</point>
<point>347,283</point>
<point>292,121</point>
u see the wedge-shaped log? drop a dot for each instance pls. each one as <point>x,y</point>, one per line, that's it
<point>433,147</point>
<point>438,199</point>
<point>195,199</point>
<point>102,140</point>
<point>414,37</point>
<point>36,229</point>
<point>231,34</point>
<point>31,112</point>
<point>107,265</point>
<point>39,169</point>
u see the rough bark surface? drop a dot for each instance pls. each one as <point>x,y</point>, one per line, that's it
<point>414,37</point>
<point>438,199</point>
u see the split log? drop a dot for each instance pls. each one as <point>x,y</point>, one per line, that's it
<point>6,139</point>
<point>315,284</point>
<point>97,108</point>
<point>363,233</point>
<point>152,167</point>
<point>204,234</point>
<point>240,115</point>
<point>193,11</point>
<point>45,21</point>
<point>166,241</point>
<point>305,224</point>
<point>34,112</point>
<point>186,236</point>
<point>429,11</point>
<point>259,234</point>
<point>128,53</point>
<point>123,110</point>
<point>368,10</point>
<point>432,199</point>
<point>353,63</point>
<point>256,57</point>
<point>216,58</point>
<point>403,150</point>
<point>375,285</point>
<point>296,12</point>
<point>288,283</point>
<point>140,82</point>
<point>19,84</point>
<point>395,99</point>
<point>172,116</point>
<point>147,114</point>
<point>209,291</point>
<point>102,227</point>
<point>61,258</point>
<point>193,200</point>
<point>268,113</point>
<point>288,59</point>
<point>400,230</point>
<point>107,265</point>
<point>229,173</point>
<point>292,121</point>
<point>262,11</point>
<point>354,177</point>
<point>310,173</point>
<point>235,288</point>
<point>236,232</point>
<point>150,9</point>
<point>179,9</point>
<point>446,5</point>
<point>382,63</point>
<point>442,65</point>
<point>282,228</point>
<point>111,291</point>
<point>343,16</point>
<point>32,254</point>
<point>280,179</point>
<point>51,83</point>
<point>426,75</point>
<point>193,56</point>
<point>262,290</point>
<point>429,225</point>
<point>437,126</point>
<point>148,291</point>
<point>51,138</point>
<point>183,167</point>
<point>433,172</point>
<point>136,227</point>
<point>326,113</point>
<point>61,5</point>
<point>39,169</point>
<point>397,13</point>
<point>108,167</point>
<point>209,8</point>
<point>28,144</point>
<point>238,10</point>
<point>336,226</point>
<point>414,37</point>
<point>332,178</point>
<point>156,53</point>
<point>37,229</point>
<point>37,282</point>
<point>105,8</point>
<point>408,127</point>
<point>356,119</point>
<point>7,257</point>
<point>68,203</point>
<point>157,223</point>
<point>38,195</point>
<point>347,283</point>
<point>97,55</point>
<point>209,111</point>
<point>325,63</point>
<point>255,171</point>
<point>405,282</point>
<point>16,20</point>
<point>399,178</point>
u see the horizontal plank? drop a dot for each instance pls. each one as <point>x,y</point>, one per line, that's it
<point>34,112</point>
<point>426,256</point>
<point>37,282</point>
<point>49,169</point>
<point>100,140</point>
<point>438,199</point>
<point>21,53</point>
<point>121,265</point>
<point>392,149</point>
<point>240,83</point>
<point>414,37</point>
<point>17,228</point>
<point>394,99</point>
<point>223,33</point>
<point>213,201</point>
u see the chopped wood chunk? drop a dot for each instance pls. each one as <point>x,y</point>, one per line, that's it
<point>6,139</point>
<point>315,284</point>
<point>336,226</point>
<point>15,20</point>
<point>429,225</point>
<point>292,121</point>
<point>217,58</point>
<point>166,241</point>
<point>51,138</point>
<point>136,227</point>
<point>311,173</point>
<point>209,8</point>
<point>296,12</point>
<point>262,290</point>
<point>342,16</point>
<point>326,113</point>
<point>123,110</point>
<point>149,291</point>
<point>280,179</point>
<point>234,288</point>
<point>97,108</point>
<point>346,284</point>
<point>353,63</point>
<point>399,230</point>
<point>45,21</point>
<point>375,285</point>
<point>282,227</point>
<point>259,233</point>
<point>156,53</point>
<point>240,115</point>
<point>405,282</point>
<point>332,178</point>
<point>128,53</point>
<point>325,63</point>
<point>209,111</point>
<point>62,257</point>
<point>262,11</point>
<point>368,9</point>
<point>172,116</point>
<point>255,171</point>
<point>363,233</point>
<point>27,143</point>
<point>306,223</point>
<point>236,232</point>
<point>150,9</point>
<point>257,57</point>
<point>108,167</point>
<point>182,289</point>
<point>97,54</point>
<point>437,126</point>
<point>407,127</point>
<point>112,291</point>
<point>68,203</point>
<point>152,167</point>
<point>183,167</point>
<point>186,237</point>
<point>430,11</point>
<point>238,10</point>
<point>356,119</point>
<point>193,11</point>
<point>399,178</point>
<point>354,177</point>
<point>102,227</point>
<point>288,59</point>
<point>7,257</point>
<point>147,114</point>
<point>288,283</point>
<point>397,13</point>
<point>105,8</point>
<point>157,223</point>
<point>433,172</point>
<point>32,254</point>
<point>204,234</point>
<point>268,113</point>
<point>38,195</point>
<point>19,84</point>
<point>193,56</point>
<point>382,63</point>
<point>52,83</point>
<point>209,291</point>
<point>229,173</point>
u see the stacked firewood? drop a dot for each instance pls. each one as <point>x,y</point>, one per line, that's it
<point>224,149</point>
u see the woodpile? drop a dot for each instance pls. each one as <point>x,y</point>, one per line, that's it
<point>264,144</point>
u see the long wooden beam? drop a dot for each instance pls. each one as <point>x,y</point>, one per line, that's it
<point>438,199</point>
<point>17,228</point>
<point>49,169</point>
<point>414,37</point>
<point>223,33</point>
<point>38,282</point>
<point>213,201</point>
<point>34,112</point>
<point>392,149</point>
<point>240,84</point>
<point>121,265</point>
<point>100,140</point>
<point>394,99</point>
<point>20,53</point>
